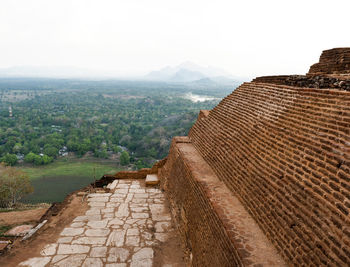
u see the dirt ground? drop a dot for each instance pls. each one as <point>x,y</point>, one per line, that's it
<point>18,217</point>
<point>21,251</point>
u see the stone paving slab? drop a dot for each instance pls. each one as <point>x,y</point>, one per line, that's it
<point>120,228</point>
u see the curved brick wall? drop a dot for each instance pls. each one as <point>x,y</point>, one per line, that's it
<point>285,153</point>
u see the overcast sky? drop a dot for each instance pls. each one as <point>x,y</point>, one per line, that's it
<point>247,38</point>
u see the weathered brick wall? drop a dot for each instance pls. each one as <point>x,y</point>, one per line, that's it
<point>336,60</point>
<point>285,153</point>
<point>202,231</point>
<point>216,228</point>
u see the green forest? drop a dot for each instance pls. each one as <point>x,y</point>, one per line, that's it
<point>42,120</point>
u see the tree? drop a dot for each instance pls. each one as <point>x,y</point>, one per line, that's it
<point>9,159</point>
<point>46,159</point>
<point>50,151</point>
<point>14,184</point>
<point>124,158</point>
<point>29,158</point>
<point>38,160</point>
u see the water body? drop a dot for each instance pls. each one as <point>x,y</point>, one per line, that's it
<point>55,188</point>
<point>199,98</point>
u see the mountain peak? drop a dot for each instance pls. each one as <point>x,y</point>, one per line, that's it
<point>186,72</point>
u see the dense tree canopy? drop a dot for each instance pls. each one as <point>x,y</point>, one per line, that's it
<point>47,123</point>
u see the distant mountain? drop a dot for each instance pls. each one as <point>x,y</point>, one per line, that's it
<point>185,75</point>
<point>188,72</point>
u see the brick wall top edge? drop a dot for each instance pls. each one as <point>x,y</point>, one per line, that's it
<point>320,82</point>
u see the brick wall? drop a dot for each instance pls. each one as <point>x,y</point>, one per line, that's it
<point>214,225</point>
<point>199,226</point>
<point>336,60</point>
<point>285,153</point>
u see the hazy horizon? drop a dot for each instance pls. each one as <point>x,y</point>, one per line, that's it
<point>244,38</point>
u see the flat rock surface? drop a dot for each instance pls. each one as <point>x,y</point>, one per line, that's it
<point>130,226</point>
<point>20,230</point>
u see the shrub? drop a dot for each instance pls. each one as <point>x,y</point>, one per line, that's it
<point>14,184</point>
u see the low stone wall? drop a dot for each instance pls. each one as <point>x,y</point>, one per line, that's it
<point>308,81</point>
<point>285,153</point>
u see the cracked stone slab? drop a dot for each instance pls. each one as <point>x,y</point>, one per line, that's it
<point>97,224</point>
<point>113,185</point>
<point>123,211</point>
<point>115,221</point>
<point>99,195</point>
<point>72,231</point>
<point>92,262</point>
<point>116,238</point>
<point>36,262</point>
<point>121,191</point>
<point>49,250</point>
<point>66,239</point>
<point>118,255</point>
<point>142,263</point>
<point>98,199</point>
<point>121,185</point>
<point>97,232</point>
<point>136,195</point>
<point>132,240</point>
<point>90,240</point>
<point>73,260</point>
<point>93,211</point>
<point>72,249</point>
<point>142,258</point>
<point>99,252</point>
<point>159,212</point>
<point>139,215</point>
<point>58,258</point>
<point>133,231</point>
<point>96,204</point>
<point>77,224</point>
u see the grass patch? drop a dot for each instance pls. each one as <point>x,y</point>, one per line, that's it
<point>75,168</point>
<point>4,229</point>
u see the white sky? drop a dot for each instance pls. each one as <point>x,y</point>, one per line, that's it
<point>245,37</point>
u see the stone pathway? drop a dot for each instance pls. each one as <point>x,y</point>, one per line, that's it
<point>120,229</point>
